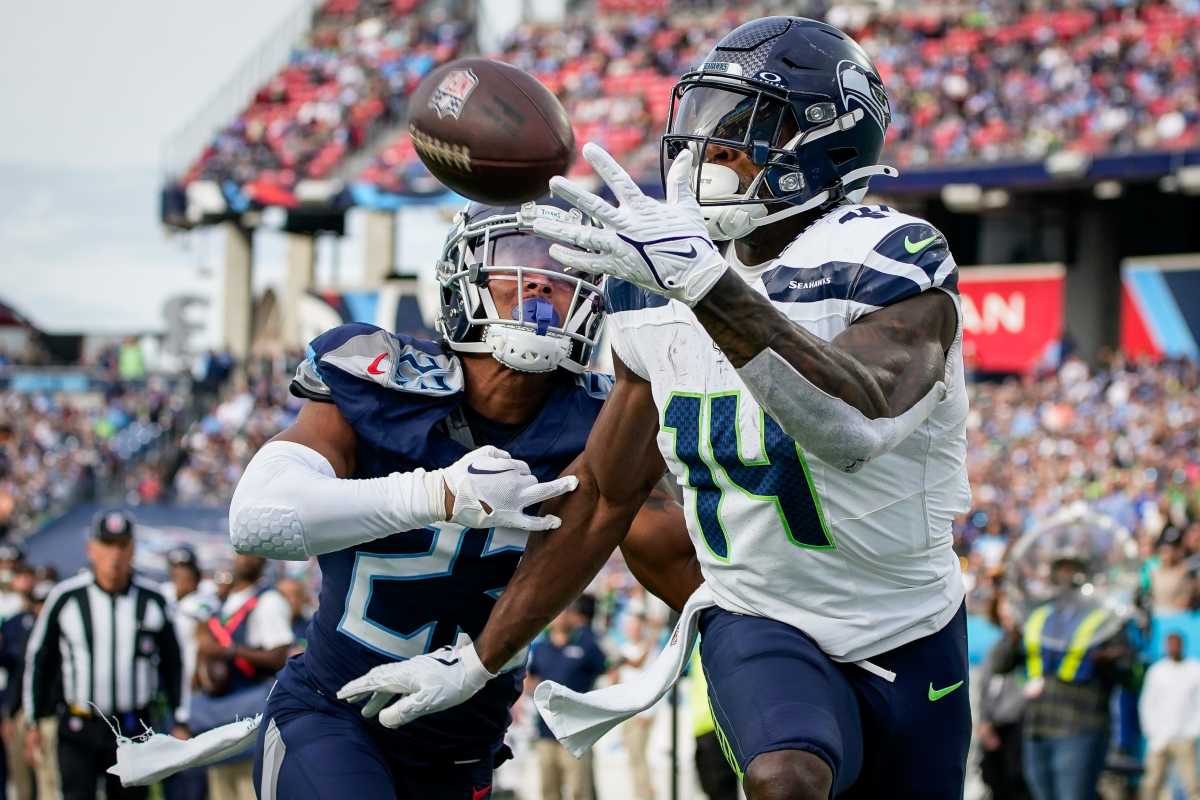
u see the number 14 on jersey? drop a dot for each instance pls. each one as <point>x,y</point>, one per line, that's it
<point>708,438</point>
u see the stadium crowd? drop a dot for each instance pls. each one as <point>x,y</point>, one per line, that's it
<point>340,88</point>
<point>1123,437</point>
<point>992,82</point>
<point>57,449</point>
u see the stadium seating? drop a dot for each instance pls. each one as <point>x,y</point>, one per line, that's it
<point>56,450</point>
<point>339,89</point>
<point>990,85</point>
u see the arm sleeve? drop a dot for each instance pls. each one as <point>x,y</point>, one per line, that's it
<point>290,505</point>
<point>43,671</point>
<point>171,672</point>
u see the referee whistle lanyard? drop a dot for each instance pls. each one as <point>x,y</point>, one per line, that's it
<point>223,633</point>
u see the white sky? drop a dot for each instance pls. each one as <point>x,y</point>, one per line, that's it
<point>89,91</point>
<point>102,84</point>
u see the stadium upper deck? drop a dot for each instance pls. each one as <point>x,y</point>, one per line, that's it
<point>1007,83</point>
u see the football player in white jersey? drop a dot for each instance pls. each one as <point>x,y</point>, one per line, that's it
<point>804,384</point>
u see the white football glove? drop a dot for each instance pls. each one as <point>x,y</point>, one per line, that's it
<point>663,247</point>
<point>426,684</point>
<point>491,488</point>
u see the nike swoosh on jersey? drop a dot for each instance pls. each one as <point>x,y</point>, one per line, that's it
<point>373,367</point>
<point>449,663</point>
<point>915,247</point>
<point>471,469</point>
<point>938,694</point>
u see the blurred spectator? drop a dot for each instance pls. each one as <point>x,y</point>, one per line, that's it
<point>14,635</point>
<point>1001,709</point>
<point>218,446</point>
<point>639,646</point>
<point>239,651</point>
<point>1169,710</point>
<point>12,598</point>
<point>567,654</point>
<point>131,363</point>
<point>1172,582</point>
<point>1075,654</point>
<point>190,603</point>
<point>296,593</point>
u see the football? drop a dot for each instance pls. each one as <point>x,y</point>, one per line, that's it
<point>489,131</point>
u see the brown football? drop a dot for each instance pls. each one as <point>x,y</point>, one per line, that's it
<point>489,131</point>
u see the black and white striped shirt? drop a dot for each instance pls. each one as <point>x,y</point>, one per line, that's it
<point>115,651</point>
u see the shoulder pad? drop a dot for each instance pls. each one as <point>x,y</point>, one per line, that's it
<point>597,385</point>
<point>871,255</point>
<point>367,353</point>
<point>622,295</point>
<point>910,256</point>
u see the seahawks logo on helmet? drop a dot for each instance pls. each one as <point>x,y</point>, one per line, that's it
<point>857,87</point>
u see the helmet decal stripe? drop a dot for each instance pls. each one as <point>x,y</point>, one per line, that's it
<point>855,86</point>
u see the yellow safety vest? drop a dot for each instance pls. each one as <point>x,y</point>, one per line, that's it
<point>1081,641</point>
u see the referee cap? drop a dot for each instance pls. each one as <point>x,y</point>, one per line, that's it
<point>112,526</point>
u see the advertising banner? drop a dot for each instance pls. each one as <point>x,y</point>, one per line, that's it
<point>1012,316</point>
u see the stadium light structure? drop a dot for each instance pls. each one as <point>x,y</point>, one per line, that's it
<point>1188,179</point>
<point>1068,164</point>
<point>995,198</point>
<point>964,198</point>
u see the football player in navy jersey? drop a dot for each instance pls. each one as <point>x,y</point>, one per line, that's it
<point>409,474</point>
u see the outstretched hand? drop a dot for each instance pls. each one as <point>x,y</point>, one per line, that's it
<point>406,690</point>
<point>660,246</point>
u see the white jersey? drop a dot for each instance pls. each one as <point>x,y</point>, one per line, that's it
<point>862,562</point>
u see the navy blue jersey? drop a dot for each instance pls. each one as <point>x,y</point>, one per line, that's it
<point>415,591</point>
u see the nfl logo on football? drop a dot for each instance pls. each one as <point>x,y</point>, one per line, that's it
<point>452,93</point>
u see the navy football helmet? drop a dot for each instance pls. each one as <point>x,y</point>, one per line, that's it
<point>798,110</point>
<point>497,243</point>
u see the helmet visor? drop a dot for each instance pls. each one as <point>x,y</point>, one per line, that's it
<point>729,116</point>
<point>742,129</point>
<point>515,249</point>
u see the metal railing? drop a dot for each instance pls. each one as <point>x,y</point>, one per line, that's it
<point>189,140</point>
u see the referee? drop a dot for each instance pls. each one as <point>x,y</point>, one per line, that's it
<point>103,644</point>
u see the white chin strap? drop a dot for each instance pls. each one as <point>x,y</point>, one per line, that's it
<point>736,220</point>
<point>524,350</point>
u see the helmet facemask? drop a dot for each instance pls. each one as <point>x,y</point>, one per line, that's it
<point>502,294</point>
<point>772,127</point>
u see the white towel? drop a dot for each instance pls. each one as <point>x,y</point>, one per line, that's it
<point>150,758</point>
<point>579,720</point>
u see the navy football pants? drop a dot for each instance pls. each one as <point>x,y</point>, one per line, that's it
<point>314,748</point>
<point>771,688</point>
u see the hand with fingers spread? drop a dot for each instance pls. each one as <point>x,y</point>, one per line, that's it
<point>660,246</point>
<point>489,489</point>
<point>425,684</point>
